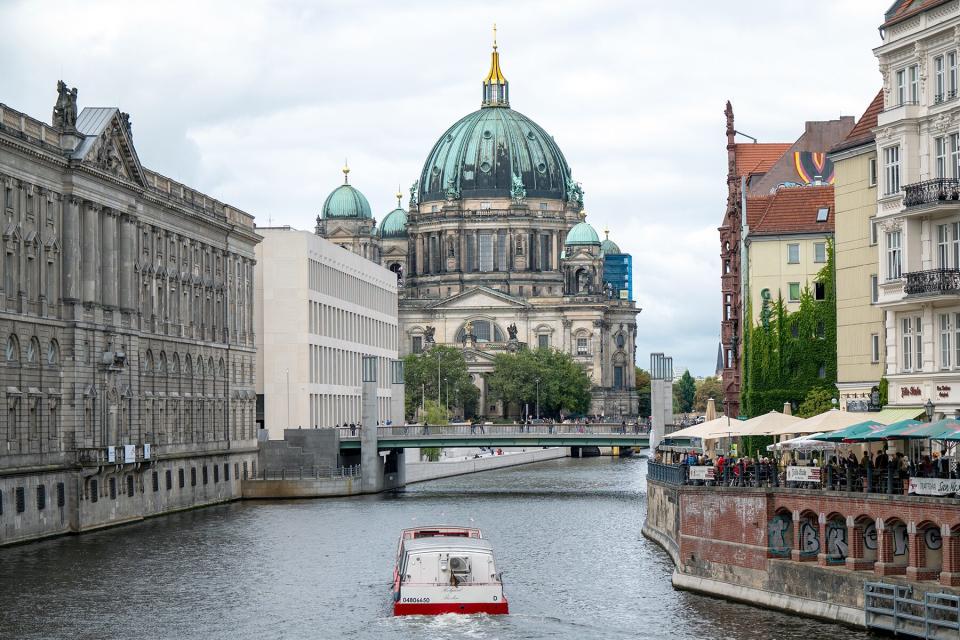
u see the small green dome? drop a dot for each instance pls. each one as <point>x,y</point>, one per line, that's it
<point>609,247</point>
<point>582,233</point>
<point>394,224</point>
<point>346,202</point>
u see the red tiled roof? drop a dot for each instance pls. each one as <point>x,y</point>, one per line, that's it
<point>861,132</point>
<point>794,210</point>
<point>903,9</point>
<point>759,157</point>
<point>756,207</point>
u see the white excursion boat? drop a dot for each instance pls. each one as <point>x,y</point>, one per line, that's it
<point>446,570</point>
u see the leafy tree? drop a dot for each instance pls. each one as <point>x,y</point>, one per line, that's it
<point>643,392</point>
<point>687,391</point>
<point>708,388</point>
<point>564,386</point>
<point>420,377</point>
<point>817,401</point>
<point>787,354</point>
<point>432,454</point>
<point>435,414</point>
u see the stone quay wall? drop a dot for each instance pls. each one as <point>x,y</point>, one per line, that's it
<point>804,551</point>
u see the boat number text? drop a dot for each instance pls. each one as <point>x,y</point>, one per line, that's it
<point>416,599</point>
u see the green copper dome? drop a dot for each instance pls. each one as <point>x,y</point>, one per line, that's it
<point>481,155</point>
<point>582,233</point>
<point>609,247</point>
<point>346,202</point>
<point>394,224</point>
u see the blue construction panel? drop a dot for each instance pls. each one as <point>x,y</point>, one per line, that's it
<point>618,272</point>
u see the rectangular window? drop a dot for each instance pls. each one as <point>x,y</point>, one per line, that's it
<point>486,251</point>
<point>41,497</point>
<point>61,495</point>
<point>206,478</point>
<point>180,477</point>
<point>581,346</point>
<point>819,251</point>
<point>953,171</point>
<point>952,74</point>
<point>819,291</point>
<point>216,474</point>
<point>502,248</point>
<point>874,288</point>
<point>728,306</point>
<point>939,80</point>
<point>893,255</point>
<point>169,479</point>
<point>906,335</point>
<point>94,491</point>
<point>130,486</point>
<point>872,172</point>
<point>794,292</point>
<point>618,377</point>
<point>417,345</point>
<point>874,348</point>
<point>956,340</point>
<point>226,472</point>
<point>543,341</point>
<point>943,246</point>
<point>113,487</point>
<point>891,170</point>
<point>20,500</point>
<point>946,334</point>
<point>940,151</point>
<point>193,476</point>
<point>822,214</point>
<point>914,77</point>
<point>901,87</point>
<point>156,481</point>
<point>729,358</point>
<point>793,254</point>
<point>873,232</point>
<point>918,343</point>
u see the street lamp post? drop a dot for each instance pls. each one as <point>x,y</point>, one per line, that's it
<point>928,409</point>
<point>438,378</point>
<point>446,385</point>
<point>538,398</point>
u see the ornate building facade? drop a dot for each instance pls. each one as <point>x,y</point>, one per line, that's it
<point>495,254</point>
<point>126,311</point>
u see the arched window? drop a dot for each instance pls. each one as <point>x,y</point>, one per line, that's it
<point>53,354</point>
<point>33,351</point>
<point>210,370</point>
<point>188,367</point>
<point>163,363</point>
<point>200,367</point>
<point>13,349</point>
<point>175,363</point>
<point>148,363</point>
<point>222,370</point>
<point>483,331</point>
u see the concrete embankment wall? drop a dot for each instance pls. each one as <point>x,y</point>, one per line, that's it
<point>423,471</point>
<point>307,488</point>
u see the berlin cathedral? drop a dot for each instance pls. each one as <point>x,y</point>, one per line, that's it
<point>494,253</point>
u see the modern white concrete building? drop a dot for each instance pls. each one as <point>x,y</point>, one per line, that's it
<point>323,309</point>
<point>918,204</point>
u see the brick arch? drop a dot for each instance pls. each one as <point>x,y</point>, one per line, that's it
<point>807,527</point>
<point>780,533</point>
<point>836,542</point>
<point>928,551</point>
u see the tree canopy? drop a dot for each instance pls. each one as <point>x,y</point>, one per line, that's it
<point>817,401</point>
<point>707,388</point>
<point>643,391</point>
<point>420,377</point>
<point>687,390</point>
<point>564,385</point>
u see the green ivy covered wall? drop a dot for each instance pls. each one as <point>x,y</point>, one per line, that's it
<point>787,354</point>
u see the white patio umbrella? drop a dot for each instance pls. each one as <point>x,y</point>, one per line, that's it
<point>825,422</point>
<point>702,430</point>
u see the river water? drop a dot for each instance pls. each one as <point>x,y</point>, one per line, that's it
<point>566,533</point>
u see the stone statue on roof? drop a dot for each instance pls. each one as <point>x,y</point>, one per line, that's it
<point>65,110</point>
<point>512,331</point>
<point>518,193</point>
<point>413,193</point>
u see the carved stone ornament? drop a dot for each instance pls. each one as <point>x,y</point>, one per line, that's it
<point>889,226</point>
<point>941,122</point>
<point>518,193</point>
<point>65,110</point>
<point>107,158</point>
<point>413,193</point>
<point>452,191</point>
<point>574,193</point>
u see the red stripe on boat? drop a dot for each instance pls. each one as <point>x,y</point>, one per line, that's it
<point>438,608</point>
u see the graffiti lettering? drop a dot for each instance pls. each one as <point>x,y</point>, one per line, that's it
<point>777,533</point>
<point>933,539</point>
<point>870,536</point>
<point>809,538</point>
<point>837,539</point>
<point>900,540</point>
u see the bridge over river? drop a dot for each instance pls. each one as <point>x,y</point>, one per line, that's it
<point>510,435</point>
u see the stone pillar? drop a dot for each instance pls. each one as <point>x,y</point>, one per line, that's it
<point>108,258</point>
<point>125,284</point>
<point>371,466</point>
<point>917,554</point>
<point>71,250</point>
<point>823,553</point>
<point>950,575</point>
<point>855,547</point>
<point>884,565</point>
<point>90,249</point>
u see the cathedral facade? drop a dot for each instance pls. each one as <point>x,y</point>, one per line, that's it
<point>494,253</point>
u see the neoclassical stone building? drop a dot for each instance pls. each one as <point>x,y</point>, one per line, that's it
<point>495,254</point>
<point>126,311</point>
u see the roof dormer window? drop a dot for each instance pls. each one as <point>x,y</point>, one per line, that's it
<point>822,214</point>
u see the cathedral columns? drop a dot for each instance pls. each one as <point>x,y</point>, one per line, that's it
<point>462,258</point>
<point>91,217</point>
<point>71,250</point>
<point>128,240</point>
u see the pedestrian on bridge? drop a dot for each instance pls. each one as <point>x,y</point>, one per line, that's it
<point>353,429</point>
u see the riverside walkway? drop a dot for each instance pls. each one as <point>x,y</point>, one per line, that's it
<point>497,435</point>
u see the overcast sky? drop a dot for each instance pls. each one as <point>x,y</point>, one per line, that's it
<point>258,104</point>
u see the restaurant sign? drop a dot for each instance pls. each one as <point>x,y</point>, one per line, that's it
<point>803,474</point>
<point>934,486</point>
<point>702,473</point>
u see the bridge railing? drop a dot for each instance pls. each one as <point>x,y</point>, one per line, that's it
<point>482,430</point>
<point>669,473</point>
<point>307,473</point>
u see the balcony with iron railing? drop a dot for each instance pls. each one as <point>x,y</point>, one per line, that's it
<point>931,192</point>
<point>932,282</point>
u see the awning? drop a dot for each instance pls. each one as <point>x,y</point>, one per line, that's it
<point>895,414</point>
<point>803,443</point>
<point>702,430</point>
<point>902,430</point>
<point>854,432</point>
<point>762,425</point>
<point>831,420</point>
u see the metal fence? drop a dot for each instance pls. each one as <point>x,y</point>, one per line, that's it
<point>308,473</point>
<point>669,473</point>
<point>540,428</point>
<point>893,608</point>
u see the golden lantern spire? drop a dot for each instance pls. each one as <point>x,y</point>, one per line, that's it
<point>346,171</point>
<point>399,197</point>
<point>496,92</point>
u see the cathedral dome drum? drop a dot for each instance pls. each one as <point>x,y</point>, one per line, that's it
<point>496,152</point>
<point>394,224</point>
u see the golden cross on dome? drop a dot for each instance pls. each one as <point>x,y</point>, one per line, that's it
<point>346,171</point>
<point>494,36</point>
<point>399,196</point>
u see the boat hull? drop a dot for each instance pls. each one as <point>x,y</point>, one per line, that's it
<point>440,608</point>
